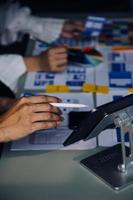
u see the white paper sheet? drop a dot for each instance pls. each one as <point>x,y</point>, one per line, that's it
<point>51,139</point>
<point>73,77</point>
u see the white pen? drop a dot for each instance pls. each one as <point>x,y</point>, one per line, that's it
<point>69,105</point>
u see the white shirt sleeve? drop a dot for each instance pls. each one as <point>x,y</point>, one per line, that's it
<point>45,29</point>
<point>11,68</point>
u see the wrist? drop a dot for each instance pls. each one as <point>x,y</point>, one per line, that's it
<point>4,135</point>
<point>32,63</point>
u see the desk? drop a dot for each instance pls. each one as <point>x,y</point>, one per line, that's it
<point>53,175</point>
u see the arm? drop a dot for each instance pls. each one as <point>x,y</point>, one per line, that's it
<point>52,60</point>
<point>19,20</point>
<point>13,66</point>
<point>45,29</point>
<point>49,29</point>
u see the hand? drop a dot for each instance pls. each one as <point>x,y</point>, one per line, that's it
<point>72,29</point>
<point>27,115</point>
<point>52,60</point>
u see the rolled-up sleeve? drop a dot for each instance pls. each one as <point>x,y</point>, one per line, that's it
<point>11,68</point>
<point>45,29</point>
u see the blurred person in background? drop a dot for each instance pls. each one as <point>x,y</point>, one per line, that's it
<point>15,20</point>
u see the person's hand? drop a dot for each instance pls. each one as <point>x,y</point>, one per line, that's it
<point>27,115</point>
<point>52,60</point>
<point>72,29</point>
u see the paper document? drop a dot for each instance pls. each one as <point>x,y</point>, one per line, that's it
<point>51,139</point>
<point>74,77</point>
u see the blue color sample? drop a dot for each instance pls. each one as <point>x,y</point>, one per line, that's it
<point>118,67</point>
<point>120,76</point>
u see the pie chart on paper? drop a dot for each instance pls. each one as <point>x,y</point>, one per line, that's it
<point>88,57</point>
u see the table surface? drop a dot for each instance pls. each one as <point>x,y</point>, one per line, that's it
<point>52,175</point>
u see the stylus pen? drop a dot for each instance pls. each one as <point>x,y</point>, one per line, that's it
<point>69,105</point>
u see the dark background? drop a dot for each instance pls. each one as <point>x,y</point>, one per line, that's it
<point>61,6</point>
<point>76,6</point>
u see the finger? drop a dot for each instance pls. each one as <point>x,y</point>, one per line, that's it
<point>45,108</point>
<point>68,27</point>
<point>39,99</point>
<point>79,25</point>
<point>59,56</point>
<point>63,45</point>
<point>45,116</point>
<point>57,50</point>
<point>44,125</point>
<point>61,68</point>
<point>60,62</point>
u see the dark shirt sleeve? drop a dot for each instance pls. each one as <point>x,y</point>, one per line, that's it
<point>5,91</point>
